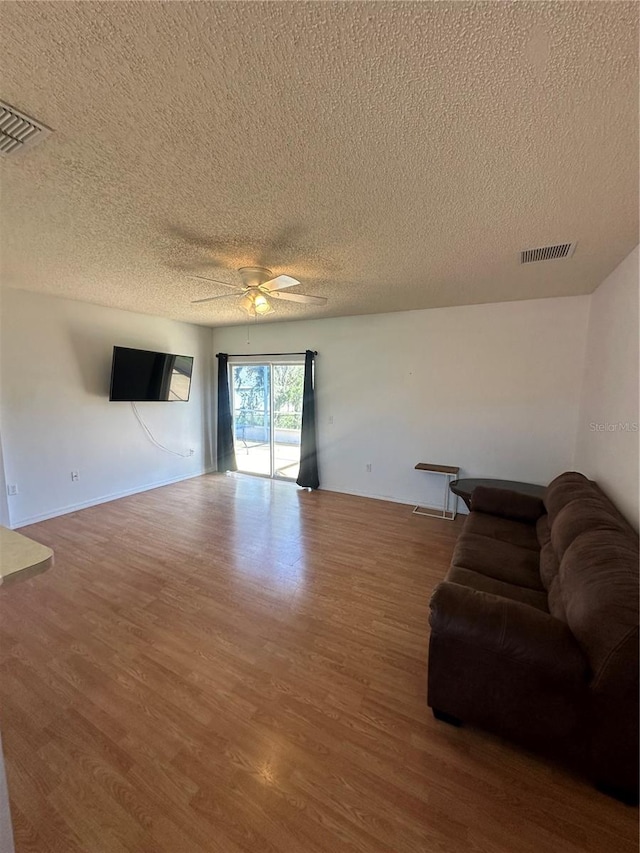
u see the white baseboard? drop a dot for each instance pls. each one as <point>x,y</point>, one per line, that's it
<point>34,519</point>
<point>462,509</point>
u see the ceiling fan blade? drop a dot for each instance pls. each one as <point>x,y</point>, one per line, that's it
<point>280,282</point>
<point>217,281</point>
<point>299,297</point>
<point>211,298</point>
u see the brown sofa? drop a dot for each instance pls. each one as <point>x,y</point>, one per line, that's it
<point>534,631</point>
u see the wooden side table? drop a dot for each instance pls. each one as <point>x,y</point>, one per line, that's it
<point>448,472</point>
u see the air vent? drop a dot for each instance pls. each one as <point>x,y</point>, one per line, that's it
<point>18,131</point>
<point>547,253</point>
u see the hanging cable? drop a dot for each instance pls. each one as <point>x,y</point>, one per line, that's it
<point>151,437</point>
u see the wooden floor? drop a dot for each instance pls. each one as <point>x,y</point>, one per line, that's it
<point>229,664</point>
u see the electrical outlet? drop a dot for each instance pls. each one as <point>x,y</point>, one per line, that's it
<point>368,467</point>
<point>330,419</point>
<point>12,489</point>
<point>75,476</point>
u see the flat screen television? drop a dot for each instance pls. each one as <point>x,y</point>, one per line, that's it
<point>142,376</point>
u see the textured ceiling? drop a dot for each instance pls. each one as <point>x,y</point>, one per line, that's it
<point>389,155</point>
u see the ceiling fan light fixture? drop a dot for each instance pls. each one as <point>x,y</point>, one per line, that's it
<point>246,303</point>
<point>255,304</point>
<point>262,304</point>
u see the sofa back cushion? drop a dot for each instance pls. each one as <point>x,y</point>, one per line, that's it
<point>599,584</point>
<point>588,512</point>
<point>589,566</point>
<point>555,602</point>
<point>549,570</point>
<point>548,563</point>
<point>567,487</point>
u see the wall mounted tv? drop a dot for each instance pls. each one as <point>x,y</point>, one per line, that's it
<point>142,376</point>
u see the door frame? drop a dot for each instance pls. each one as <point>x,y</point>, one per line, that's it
<point>257,361</point>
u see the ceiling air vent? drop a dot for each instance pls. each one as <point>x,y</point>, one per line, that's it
<point>18,131</point>
<point>547,253</point>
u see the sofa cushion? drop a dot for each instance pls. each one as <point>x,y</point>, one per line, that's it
<point>599,579</point>
<point>581,515</point>
<point>511,631</point>
<point>567,487</point>
<point>476,580</point>
<point>543,531</point>
<point>555,602</point>
<point>500,560</point>
<point>515,532</point>
<point>507,504</point>
<point>549,565</point>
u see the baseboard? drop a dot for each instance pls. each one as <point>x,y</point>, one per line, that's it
<point>462,509</point>
<point>34,519</point>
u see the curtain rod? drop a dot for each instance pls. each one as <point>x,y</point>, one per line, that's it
<point>259,354</point>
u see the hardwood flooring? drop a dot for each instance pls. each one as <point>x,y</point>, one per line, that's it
<point>230,664</point>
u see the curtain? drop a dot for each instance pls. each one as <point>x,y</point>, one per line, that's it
<point>308,476</point>
<point>225,452</point>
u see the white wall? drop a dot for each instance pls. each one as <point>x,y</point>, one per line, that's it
<point>605,450</point>
<point>491,388</point>
<point>5,520</point>
<point>56,361</point>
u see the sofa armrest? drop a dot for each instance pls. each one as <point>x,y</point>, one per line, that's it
<point>507,504</point>
<point>509,629</point>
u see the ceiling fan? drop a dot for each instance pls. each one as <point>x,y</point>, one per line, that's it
<point>258,286</point>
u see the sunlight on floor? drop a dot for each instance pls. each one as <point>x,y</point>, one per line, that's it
<point>255,458</point>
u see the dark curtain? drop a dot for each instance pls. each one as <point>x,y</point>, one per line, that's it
<point>225,452</point>
<point>308,476</point>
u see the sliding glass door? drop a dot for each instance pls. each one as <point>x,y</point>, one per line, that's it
<point>267,418</point>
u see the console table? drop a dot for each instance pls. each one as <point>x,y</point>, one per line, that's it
<point>447,471</point>
<point>464,488</point>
